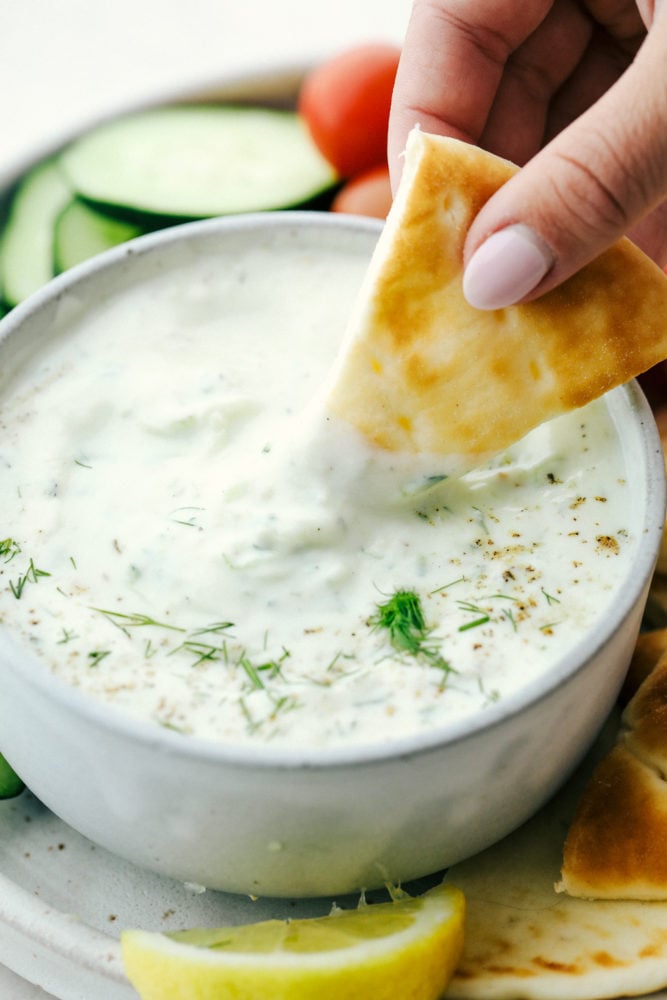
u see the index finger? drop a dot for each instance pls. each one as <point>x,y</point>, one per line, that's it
<point>452,62</point>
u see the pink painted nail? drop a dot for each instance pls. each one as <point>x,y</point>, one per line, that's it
<point>507,266</point>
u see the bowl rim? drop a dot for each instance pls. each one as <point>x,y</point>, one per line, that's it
<point>15,656</point>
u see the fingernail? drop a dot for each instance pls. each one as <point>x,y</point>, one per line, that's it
<point>507,266</point>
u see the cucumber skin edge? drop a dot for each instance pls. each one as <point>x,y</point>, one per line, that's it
<point>319,201</point>
<point>10,783</point>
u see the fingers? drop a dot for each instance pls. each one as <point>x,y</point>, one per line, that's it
<point>533,74</point>
<point>650,234</point>
<point>453,58</point>
<point>603,62</point>
<point>599,177</point>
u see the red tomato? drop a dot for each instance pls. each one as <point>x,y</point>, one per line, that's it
<point>345,102</point>
<point>366,194</point>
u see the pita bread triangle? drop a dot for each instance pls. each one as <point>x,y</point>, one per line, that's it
<point>616,846</point>
<point>524,940</point>
<point>422,371</point>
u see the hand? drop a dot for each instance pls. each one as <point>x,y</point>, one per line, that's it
<point>575,92</point>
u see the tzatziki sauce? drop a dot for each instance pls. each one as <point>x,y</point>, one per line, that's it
<point>187,539</point>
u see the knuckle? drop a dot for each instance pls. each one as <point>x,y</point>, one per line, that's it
<point>596,189</point>
<point>494,44</point>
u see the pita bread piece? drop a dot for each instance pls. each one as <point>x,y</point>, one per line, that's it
<point>660,415</point>
<point>648,651</point>
<point>616,847</point>
<point>523,941</point>
<point>421,371</point>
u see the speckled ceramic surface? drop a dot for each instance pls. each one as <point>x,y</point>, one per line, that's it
<point>64,901</point>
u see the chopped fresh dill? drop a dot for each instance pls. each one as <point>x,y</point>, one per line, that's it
<point>213,629</point>
<point>202,651</point>
<point>31,575</point>
<point>510,617</point>
<point>287,703</point>
<point>402,617</point>
<point>550,599</point>
<point>333,661</point>
<point>166,724</point>
<point>125,621</point>
<point>190,522</point>
<point>9,549</point>
<point>97,655</point>
<point>273,667</point>
<point>84,465</point>
<point>251,672</point>
<point>482,520</point>
<point>422,484</point>
<point>446,586</point>
<point>67,637</point>
<point>490,696</point>
<point>474,624</point>
<point>482,616</point>
<point>253,725</point>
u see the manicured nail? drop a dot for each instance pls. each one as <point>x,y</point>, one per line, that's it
<point>507,266</point>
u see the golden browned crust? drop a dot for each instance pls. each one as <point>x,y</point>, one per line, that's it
<point>661,421</point>
<point>615,848</point>
<point>648,651</point>
<point>616,845</point>
<point>646,720</point>
<point>422,371</point>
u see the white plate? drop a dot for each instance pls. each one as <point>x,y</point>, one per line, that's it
<point>64,901</point>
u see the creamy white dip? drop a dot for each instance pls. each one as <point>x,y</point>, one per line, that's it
<point>182,543</point>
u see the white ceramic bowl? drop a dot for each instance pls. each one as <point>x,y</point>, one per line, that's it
<point>281,822</point>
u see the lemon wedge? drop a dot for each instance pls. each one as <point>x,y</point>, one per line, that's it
<point>408,947</point>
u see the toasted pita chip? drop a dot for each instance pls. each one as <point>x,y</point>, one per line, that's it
<point>647,654</point>
<point>525,942</point>
<point>660,414</point>
<point>421,371</point>
<point>655,612</point>
<point>615,847</point>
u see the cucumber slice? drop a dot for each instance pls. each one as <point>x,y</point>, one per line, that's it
<point>198,161</point>
<point>10,783</point>
<point>26,250</point>
<point>81,232</point>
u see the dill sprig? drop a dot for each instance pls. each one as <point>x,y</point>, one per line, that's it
<point>31,575</point>
<point>402,616</point>
<point>96,655</point>
<point>8,549</point>
<point>127,621</point>
<point>482,615</point>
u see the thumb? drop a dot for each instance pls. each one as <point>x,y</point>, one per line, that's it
<point>593,183</point>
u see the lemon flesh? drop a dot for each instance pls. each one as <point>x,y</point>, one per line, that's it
<point>407,948</point>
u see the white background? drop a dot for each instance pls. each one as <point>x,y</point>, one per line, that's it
<point>64,63</point>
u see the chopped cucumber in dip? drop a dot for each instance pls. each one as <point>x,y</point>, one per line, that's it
<point>198,161</point>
